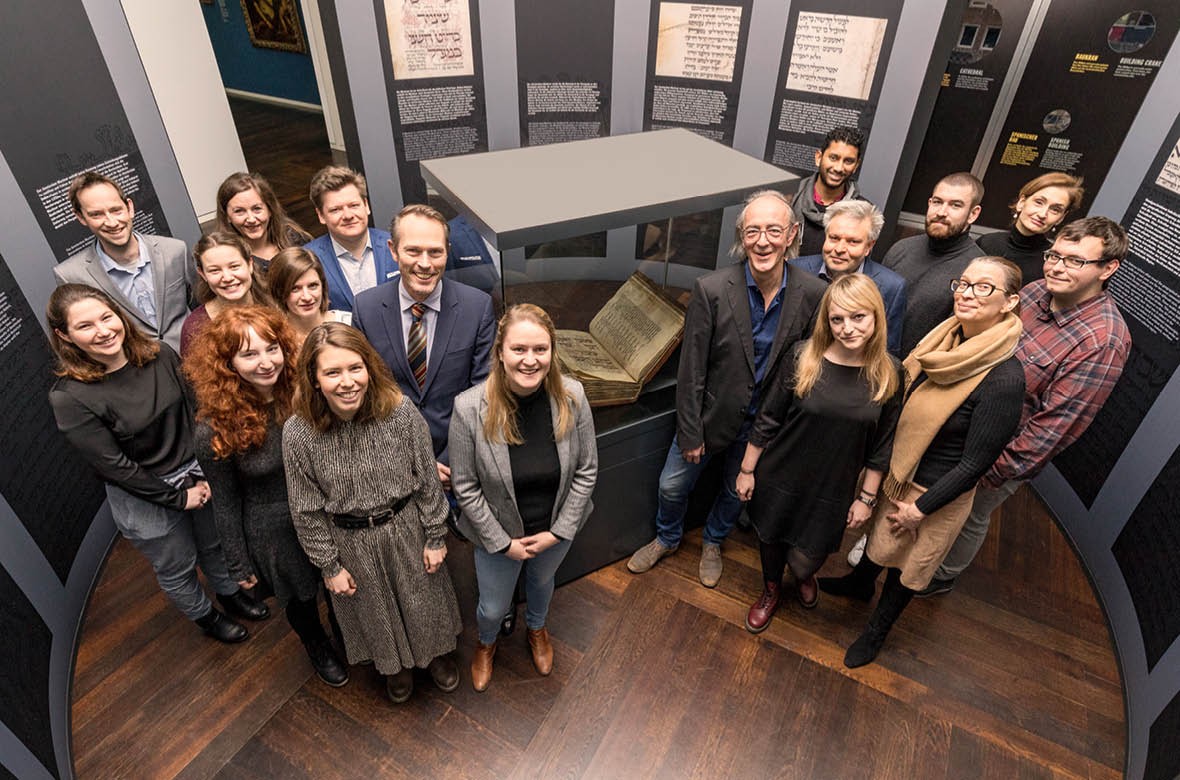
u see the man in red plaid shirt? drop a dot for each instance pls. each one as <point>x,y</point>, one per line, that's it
<point>1073,349</point>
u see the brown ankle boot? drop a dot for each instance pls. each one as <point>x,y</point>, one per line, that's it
<point>481,665</point>
<point>542,650</point>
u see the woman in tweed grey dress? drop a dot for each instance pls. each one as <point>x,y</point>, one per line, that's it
<point>370,512</point>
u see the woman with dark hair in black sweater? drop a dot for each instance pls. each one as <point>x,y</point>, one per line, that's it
<point>122,403</point>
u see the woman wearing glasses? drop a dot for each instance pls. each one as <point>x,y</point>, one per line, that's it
<point>1039,208</point>
<point>963,393</point>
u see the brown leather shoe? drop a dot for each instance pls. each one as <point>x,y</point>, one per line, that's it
<point>763,610</point>
<point>808,592</point>
<point>542,650</point>
<point>481,665</point>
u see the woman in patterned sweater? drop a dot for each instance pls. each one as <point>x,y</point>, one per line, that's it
<point>369,510</point>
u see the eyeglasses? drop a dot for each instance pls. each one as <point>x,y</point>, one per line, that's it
<point>774,233</point>
<point>1076,263</point>
<point>978,289</point>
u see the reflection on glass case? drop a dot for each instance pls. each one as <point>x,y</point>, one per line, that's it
<point>607,235</point>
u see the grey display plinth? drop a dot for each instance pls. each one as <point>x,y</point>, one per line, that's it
<point>519,197</point>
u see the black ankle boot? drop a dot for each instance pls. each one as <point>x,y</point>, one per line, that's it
<point>222,628</point>
<point>859,584</point>
<point>242,605</point>
<point>894,598</point>
<point>327,664</point>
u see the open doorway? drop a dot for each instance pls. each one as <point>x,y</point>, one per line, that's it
<point>270,57</point>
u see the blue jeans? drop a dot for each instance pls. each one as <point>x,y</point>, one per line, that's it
<point>677,481</point>
<point>496,575</point>
<point>175,542</point>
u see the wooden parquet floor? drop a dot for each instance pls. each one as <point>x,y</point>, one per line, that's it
<point>1009,676</point>
<point>287,147</point>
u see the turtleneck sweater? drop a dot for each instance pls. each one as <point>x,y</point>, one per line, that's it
<point>1028,252</point>
<point>928,265</point>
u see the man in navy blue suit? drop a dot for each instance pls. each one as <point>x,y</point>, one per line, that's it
<point>851,228</point>
<point>435,334</point>
<point>355,257</point>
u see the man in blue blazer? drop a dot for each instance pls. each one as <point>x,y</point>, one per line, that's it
<point>448,322</point>
<point>851,228</point>
<point>355,257</point>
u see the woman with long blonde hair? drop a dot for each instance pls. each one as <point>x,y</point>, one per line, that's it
<point>524,463</point>
<point>819,427</point>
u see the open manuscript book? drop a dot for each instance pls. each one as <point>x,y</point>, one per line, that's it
<point>629,340</point>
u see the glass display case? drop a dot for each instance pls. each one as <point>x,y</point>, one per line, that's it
<point>563,226</point>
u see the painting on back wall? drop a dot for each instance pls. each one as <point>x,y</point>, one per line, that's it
<point>274,24</point>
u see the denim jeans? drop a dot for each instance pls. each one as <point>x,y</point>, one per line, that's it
<point>175,542</point>
<point>987,500</point>
<point>677,481</point>
<point>496,575</point>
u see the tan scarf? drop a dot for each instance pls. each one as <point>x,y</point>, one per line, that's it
<point>954,367</point>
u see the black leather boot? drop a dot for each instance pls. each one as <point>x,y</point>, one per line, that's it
<point>859,584</point>
<point>894,598</point>
<point>242,605</point>
<point>222,628</point>
<point>327,664</point>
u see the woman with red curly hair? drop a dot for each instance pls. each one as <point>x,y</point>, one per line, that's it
<point>238,368</point>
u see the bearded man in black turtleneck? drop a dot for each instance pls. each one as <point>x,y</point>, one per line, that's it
<point>931,262</point>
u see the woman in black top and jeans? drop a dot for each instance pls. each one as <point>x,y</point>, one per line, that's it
<point>121,402</point>
<point>524,462</point>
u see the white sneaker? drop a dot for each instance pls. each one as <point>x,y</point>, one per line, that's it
<point>858,551</point>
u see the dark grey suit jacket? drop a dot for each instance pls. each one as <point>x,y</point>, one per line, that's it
<point>715,383</point>
<point>481,473</point>
<point>173,277</point>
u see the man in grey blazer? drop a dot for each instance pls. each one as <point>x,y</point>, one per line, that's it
<point>740,321</point>
<point>149,276</point>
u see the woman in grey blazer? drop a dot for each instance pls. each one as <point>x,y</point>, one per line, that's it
<point>523,466</point>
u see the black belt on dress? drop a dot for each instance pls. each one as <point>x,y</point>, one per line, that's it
<point>353,522</point>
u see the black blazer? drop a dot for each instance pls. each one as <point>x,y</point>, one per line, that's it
<point>715,382</point>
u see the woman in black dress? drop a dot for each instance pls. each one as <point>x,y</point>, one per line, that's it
<point>826,420</point>
<point>245,389</point>
<point>964,391</point>
<point>121,402</point>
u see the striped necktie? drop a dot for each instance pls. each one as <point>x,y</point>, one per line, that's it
<point>416,344</point>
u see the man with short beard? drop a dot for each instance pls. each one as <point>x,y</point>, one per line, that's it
<point>931,262</point>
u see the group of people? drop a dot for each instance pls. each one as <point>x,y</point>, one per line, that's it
<point>294,431</point>
<point>908,397</point>
<point>332,407</point>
